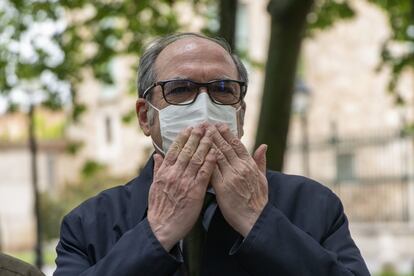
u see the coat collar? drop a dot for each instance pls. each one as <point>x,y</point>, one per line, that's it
<point>139,192</point>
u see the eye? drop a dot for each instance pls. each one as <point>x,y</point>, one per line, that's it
<point>178,90</point>
<point>223,87</point>
<point>178,87</point>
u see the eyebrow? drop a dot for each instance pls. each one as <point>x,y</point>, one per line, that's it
<point>223,77</point>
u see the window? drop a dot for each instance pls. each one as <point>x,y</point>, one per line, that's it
<point>345,167</point>
<point>108,130</point>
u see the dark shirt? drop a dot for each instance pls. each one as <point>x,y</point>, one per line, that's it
<point>301,231</point>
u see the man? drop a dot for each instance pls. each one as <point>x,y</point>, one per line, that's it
<point>261,222</point>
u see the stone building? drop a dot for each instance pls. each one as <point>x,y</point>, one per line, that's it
<point>355,142</point>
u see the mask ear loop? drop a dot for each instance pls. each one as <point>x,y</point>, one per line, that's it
<point>153,142</point>
<point>158,148</point>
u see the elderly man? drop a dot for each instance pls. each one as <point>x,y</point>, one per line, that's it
<point>261,222</point>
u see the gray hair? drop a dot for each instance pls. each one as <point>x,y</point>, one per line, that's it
<point>146,71</point>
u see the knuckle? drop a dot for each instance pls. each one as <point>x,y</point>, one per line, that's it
<point>209,133</point>
<point>197,132</point>
<point>225,146</point>
<point>210,158</point>
<point>171,179</point>
<point>175,147</point>
<point>203,173</point>
<point>244,170</point>
<point>196,160</point>
<point>206,142</point>
<point>219,154</point>
<point>235,142</point>
<point>186,151</point>
<point>224,127</point>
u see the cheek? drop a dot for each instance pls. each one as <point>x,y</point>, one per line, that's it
<point>155,128</point>
<point>153,121</point>
<point>150,116</point>
<point>240,123</point>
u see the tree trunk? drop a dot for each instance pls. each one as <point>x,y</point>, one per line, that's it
<point>228,10</point>
<point>287,31</point>
<point>36,206</point>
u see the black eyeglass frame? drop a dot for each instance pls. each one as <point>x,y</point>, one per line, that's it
<point>242,84</point>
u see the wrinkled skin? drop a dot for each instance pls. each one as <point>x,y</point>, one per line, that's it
<point>204,155</point>
<point>239,180</point>
<point>180,183</point>
<point>199,156</point>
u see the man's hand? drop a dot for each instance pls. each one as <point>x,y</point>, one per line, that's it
<point>239,180</point>
<point>180,182</point>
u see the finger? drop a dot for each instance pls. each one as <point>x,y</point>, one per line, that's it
<point>259,157</point>
<point>199,156</point>
<point>177,146</point>
<point>189,148</point>
<point>222,162</point>
<point>233,141</point>
<point>223,146</point>
<point>157,162</point>
<point>216,178</point>
<point>206,170</point>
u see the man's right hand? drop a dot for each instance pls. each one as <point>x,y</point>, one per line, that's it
<point>180,182</point>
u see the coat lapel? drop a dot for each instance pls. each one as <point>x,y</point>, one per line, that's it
<point>139,193</point>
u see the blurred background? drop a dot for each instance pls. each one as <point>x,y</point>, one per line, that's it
<point>331,92</point>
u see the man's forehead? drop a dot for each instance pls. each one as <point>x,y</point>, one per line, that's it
<point>192,44</point>
<point>194,50</point>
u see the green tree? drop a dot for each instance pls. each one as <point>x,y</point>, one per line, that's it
<point>400,15</point>
<point>290,24</point>
<point>47,46</point>
<point>292,21</point>
<point>227,16</point>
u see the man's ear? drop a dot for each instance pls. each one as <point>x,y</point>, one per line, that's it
<point>141,108</point>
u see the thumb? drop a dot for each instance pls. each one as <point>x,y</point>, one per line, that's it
<point>259,157</point>
<point>157,162</point>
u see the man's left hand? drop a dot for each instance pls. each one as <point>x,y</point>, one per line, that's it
<point>239,180</point>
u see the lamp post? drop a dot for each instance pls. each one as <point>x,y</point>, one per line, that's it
<point>301,103</point>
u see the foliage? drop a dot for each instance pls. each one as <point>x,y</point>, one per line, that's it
<point>81,36</point>
<point>73,147</point>
<point>52,210</point>
<point>400,15</point>
<point>326,12</point>
<point>55,206</point>
<point>48,130</point>
<point>28,56</point>
<point>91,168</point>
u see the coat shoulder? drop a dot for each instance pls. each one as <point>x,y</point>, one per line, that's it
<point>307,203</point>
<point>299,186</point>
<point>105,202</point>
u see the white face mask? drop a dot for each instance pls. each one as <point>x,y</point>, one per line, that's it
<point>175,118</point>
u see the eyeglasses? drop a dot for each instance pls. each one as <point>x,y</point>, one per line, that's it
<point>184,92</point>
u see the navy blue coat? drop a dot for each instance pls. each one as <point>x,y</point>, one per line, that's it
<point>302,231</point>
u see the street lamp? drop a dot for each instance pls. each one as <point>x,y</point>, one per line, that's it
<point>301,103</point>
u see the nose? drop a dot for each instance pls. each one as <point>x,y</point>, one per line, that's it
<point>203,89</point>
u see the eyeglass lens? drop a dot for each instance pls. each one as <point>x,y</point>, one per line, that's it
<point>183,91</point>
